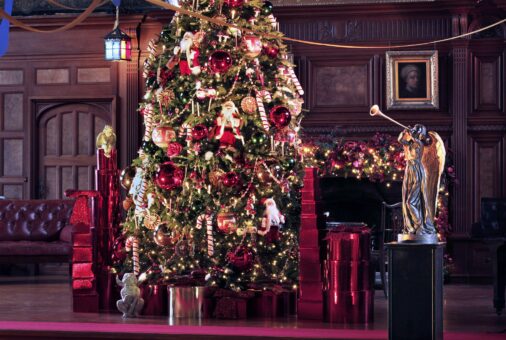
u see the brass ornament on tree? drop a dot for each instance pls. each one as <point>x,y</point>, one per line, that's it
<point>163,236</point>
<point>249,105</point>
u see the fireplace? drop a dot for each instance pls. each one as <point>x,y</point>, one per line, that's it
<point>354,200</point>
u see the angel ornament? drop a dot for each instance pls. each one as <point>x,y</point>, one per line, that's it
<point>272,217</point>
<point>425,158</point>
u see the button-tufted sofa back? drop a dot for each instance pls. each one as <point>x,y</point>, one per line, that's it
<point>33,220</point>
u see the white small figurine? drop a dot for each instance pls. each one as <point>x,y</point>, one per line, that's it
<point>106,140</point>
<point>131,302</point>
<point>272,217</point>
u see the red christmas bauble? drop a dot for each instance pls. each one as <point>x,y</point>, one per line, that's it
<point>233,3</point>
<point>230,179</point>
<point>252,45</point>
<point>169,176</point>
<point>271,51</point>
<point>241,258</point>
<point>220,61</point>
<point>199,132</point>
<point>162,136</point>
<point>280,116</point>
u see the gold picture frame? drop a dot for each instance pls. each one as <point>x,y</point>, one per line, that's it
<point>412,80</point>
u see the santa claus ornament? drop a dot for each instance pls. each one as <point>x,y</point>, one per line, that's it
<point>188,55</point>
<point>228,125</point>
<point>272,217</point>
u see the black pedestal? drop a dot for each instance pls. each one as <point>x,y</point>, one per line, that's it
<point>415,291</point>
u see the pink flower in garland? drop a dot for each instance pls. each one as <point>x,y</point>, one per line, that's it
<point>174,149</point>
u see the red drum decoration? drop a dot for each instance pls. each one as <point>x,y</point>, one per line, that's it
<point>227,223</point>
<point>199,132</point>
<point>163,135</point>
<point>220,61</point>
<point>241,258</point>
<point>280,116</point>
<point>252,45</point>
<point>169,176</point>
<point>230,179</point>
<point>233,3</point>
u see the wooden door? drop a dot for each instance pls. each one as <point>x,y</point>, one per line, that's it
<point>65,145</point>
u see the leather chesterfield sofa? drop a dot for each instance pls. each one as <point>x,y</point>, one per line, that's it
<point>35,231</point>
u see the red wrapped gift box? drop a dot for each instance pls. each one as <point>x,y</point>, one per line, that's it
<point>347,275</point>
<point>349,307</point>
<point>272,304</point>
<point>226,304</point>
<point>155,299</point>
<point>349,244</point>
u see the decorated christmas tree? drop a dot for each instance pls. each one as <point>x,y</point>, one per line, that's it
<point>215,190</point>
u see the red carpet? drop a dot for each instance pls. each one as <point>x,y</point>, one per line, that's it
<point>68,329</point>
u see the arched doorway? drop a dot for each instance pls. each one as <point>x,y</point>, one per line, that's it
<point>64,145</point>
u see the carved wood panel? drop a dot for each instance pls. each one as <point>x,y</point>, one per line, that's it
<point>338,86</point>
<point>487,86</point>
<point>487,163</point>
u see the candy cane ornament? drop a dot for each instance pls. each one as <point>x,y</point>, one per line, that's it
<point>148,121</point>
<point>135,255</point>
<point>295,81</point>
<point>261,110</point>
<point>209,230</point>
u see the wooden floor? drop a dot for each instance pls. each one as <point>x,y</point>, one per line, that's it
<point>47,298</point>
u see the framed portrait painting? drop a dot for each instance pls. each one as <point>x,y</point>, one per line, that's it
<point>412,80</point>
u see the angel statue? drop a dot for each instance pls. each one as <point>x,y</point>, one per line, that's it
<point>425,156</point>
<point>131,302</point>
<point>106,140</point>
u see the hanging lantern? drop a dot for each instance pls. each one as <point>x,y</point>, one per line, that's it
<point>118,45</point>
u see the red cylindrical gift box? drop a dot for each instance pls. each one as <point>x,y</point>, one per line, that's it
<point>349,307</point>
<point>349,242</point>
<point>348,291</point>
<point>347,275</point>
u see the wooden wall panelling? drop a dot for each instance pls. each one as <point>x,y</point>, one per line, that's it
<point>337,89</point>
<point>461,193</point>
<point>486,158</point>
<point>487,83</point>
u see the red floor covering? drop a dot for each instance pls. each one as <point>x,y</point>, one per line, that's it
<point>70,329</point>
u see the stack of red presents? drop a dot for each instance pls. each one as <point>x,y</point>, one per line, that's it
<point>310,304</point>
